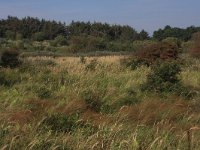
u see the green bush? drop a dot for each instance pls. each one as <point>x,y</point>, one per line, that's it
<point>164,77</point>
<point>10,58</point>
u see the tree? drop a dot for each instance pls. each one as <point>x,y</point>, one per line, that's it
<point>143,35</point>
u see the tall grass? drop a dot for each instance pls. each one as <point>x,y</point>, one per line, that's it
<point>56,103</point>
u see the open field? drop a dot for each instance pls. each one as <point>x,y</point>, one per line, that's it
<point>94,103</point>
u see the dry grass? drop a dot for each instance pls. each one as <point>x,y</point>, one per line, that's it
<point>154,122</point>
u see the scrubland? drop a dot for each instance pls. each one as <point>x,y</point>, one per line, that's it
<point>95,103</point>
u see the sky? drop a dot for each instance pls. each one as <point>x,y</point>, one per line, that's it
<point>149,15</point>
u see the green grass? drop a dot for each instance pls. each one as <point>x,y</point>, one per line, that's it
<point>56,103</point>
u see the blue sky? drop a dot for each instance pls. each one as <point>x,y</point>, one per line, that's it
<point>140,14</point>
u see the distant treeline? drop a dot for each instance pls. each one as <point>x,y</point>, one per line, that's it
<point>36,29</point>
<point>40,29</point>
<point>182,34</point>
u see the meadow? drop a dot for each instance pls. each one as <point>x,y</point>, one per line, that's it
<point>76,103</point>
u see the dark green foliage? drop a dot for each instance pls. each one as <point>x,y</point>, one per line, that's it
<point>106,31</point>
<point>40,30</point>
<point>10,58</point>
<point>182,34</point>
<point>61,122</point>
<point>29,26</point>
<point>165,78</point>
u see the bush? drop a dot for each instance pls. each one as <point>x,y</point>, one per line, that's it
<point>164,77</point>
<point>151,54</point>
<point>160,51</point>
<point>10,58</point>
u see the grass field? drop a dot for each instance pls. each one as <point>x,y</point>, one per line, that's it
<point>74,103</point>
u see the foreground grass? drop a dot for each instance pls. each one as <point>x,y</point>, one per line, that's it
<point>66,103</point>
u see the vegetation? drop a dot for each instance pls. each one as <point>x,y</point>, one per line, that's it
<point>146,100</point>
<point>182,34</point>
<point>10,58</point>
<point>99,107</point>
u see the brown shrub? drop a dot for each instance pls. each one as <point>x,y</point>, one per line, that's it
<point>158,51</point>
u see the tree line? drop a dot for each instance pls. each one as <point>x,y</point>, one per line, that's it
<point>40,29</point>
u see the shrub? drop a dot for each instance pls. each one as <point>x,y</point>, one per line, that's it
<point>10,58</point>
<point>149,55</point>
<point>160,51</point>
<point>164,77</point>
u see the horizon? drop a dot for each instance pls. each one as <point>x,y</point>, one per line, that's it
<point>144,14</point>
